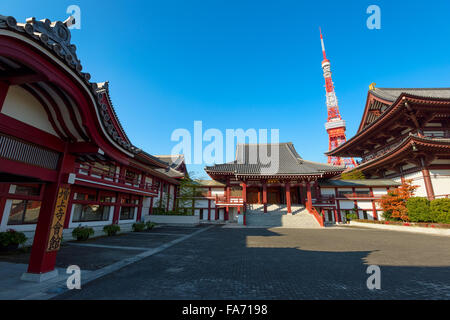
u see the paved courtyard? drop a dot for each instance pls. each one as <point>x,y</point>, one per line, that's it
<point>249,263</point>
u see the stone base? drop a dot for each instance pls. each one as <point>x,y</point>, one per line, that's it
<point>39,277</point>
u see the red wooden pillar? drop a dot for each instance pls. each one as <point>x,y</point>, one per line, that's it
<point>4,190</point>
<point>169,187</point>
<point>209,208</point>
<point>336,217</point>
<point>225,218</point>
<point>139,210</point>
<point>428,184</point>
<point>161,191</point>
<point>41,260</point>
<point>288,197</point>
<point>175,191</point>
<point>150,210</point>
<point>300,194</point>
<point>265,196</point>
<point>116,215</point>
<point>374,207</point>
<point>244,195</point>
<point>308,196</point>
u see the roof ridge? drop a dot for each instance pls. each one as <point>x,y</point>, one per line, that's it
<point>441,88</point>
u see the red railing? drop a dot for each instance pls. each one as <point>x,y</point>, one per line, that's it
<point>114,178</point>
<point>325,199</point>
<point>231,200</point>
<point>320,219</point>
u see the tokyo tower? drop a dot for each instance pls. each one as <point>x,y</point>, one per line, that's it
<point>335,125</point>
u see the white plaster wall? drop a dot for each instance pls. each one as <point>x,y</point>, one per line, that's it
<point>364,205</point>
<point>201,203</point>
<point>21,105</point>
<point>327,191</point>
<point>440,179</point>
<point>219,192</point>
<point>417,178</point>
<point>379,191</point>
<point>145,206</point>
<point>344,189</point>
<point>346,204</point>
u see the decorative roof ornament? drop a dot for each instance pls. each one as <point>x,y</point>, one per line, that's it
<point>56,37</point>
<point>372,86</point>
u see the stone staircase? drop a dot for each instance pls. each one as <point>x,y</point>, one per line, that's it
<point>277,216</point>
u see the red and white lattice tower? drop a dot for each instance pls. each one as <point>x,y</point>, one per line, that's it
<point>335,125</point>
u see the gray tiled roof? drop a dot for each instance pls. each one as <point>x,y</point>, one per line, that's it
<point>391,94</point>
<point>173,160</point>
<point>251,159</point>
<point>359,183</point>
<point>209,183</point>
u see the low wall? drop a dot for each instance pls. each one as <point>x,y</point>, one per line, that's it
<point>435,231</point>
<point>67,233</point>
<point>172,219</point>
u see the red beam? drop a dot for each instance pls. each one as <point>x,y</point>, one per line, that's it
<point>19,77</point>
<point>3,92</point>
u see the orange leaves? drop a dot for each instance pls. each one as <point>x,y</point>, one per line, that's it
<point>394,203</point>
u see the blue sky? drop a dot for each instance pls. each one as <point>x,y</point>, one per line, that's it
<point>249,64</point>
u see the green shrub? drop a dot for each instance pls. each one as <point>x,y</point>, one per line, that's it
<point>82,233</point>
<point>351,216</point>
<point>149,225</point>
<point>12,237</point>
<point>418,209</point>
<point>440,210</point>
<point>138,226</point>
<point>111,229</point>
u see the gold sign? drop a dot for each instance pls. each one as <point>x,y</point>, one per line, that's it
<point>59,215</point>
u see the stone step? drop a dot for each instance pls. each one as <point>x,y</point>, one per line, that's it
<point>301,219</point>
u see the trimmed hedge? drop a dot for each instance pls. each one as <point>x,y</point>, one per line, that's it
<point>422,210</point>
<point>440,210</point>
<point>407,224</point>
<point>418,209</point>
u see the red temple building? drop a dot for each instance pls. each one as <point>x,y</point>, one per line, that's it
<point>404,134</point>
<point>65,159</point>
<point>297,192</point>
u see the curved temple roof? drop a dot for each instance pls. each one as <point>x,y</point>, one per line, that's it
<point>280,159</point>
<point>392,94</point>
<point>55,38</point>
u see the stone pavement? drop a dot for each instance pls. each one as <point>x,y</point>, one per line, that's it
<point>96,257</point>
<point>257,263</point>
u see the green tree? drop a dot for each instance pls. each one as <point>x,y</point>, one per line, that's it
<point>353,175</point>
<point>188,191</point>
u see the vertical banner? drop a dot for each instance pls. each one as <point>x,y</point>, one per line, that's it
<point>59,214</point>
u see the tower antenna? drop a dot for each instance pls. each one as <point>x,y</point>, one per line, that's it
<point>335,125</point>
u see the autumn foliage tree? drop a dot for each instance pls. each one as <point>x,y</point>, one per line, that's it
<point>394,202</point>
